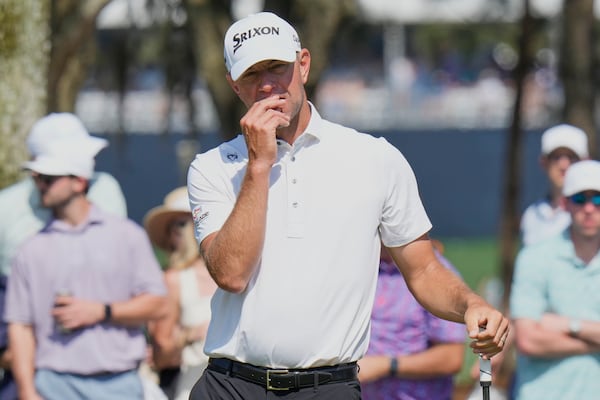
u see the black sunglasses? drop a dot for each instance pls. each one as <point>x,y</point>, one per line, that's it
<point>581,198</point>
<point>47,179</point>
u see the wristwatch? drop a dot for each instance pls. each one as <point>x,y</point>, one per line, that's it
<point>574,327</point>
<point>393,366</point>
<point>107,313</point>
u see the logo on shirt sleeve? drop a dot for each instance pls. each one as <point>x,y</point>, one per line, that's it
<point>199,215</point>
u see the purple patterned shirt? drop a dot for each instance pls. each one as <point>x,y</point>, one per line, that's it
<point>400,325</point>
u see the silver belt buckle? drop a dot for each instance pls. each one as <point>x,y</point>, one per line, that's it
<point>276,372</point>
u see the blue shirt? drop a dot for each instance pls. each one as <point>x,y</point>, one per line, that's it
<point>550,278</point>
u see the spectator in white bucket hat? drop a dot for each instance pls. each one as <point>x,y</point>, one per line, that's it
<point>21,213</point>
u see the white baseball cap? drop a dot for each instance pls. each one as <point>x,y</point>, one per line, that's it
<point>259,37</point>
<point>582,176</point>
<point>565,135</point>
<point>64,128</point>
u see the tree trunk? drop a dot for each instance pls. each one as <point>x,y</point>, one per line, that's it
<point>24,36</point>
<point>209,21</point>
<point>73,24</point>
<point>509,229</point>
<point>576,66</point>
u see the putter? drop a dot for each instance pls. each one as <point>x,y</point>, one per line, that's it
<point>485,375</point>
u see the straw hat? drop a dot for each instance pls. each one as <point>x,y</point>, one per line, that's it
<point>156,221</point>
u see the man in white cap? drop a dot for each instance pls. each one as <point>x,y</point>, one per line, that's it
<point>562,145</point>
<point>555,301</point>
<point>290,217</point>
<point>80,290</point>
<point>22,214</point>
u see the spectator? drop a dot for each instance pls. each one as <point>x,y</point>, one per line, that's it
<point>23,214</point>
<point>412,354</point>
<point>178,337</point>
<point>562,145</point>
<point>554,299</point>
<point>290,217</point>
<point>80,290</point>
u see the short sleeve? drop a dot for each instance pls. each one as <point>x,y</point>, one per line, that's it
<point>404,218</point>
<point>211,195</point>
<point>18,306</point>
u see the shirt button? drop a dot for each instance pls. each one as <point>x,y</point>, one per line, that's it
<point>295,204</point>
<point>294,180</point>
<point>293,158</point>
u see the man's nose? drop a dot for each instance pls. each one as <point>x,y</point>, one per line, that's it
<point>267,82</point>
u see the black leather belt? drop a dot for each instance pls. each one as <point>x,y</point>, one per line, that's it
<point>285,379</point>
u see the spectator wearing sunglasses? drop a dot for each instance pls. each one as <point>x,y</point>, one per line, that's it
<point>555,302</point>
<point>562,145</point>
<point>22,215</point>
<point>178,338</point>
<point>80,290</point>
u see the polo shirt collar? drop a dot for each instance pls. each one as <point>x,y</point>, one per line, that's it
<point>94,217</point>
<point>313,131</point>
<point>315,124</point>
<point>566,251</point>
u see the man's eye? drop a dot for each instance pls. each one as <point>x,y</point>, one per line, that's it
<point>249,76</point>
<point>278,68</point>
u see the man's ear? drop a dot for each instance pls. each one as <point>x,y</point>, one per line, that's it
<point>232,83</point>
<point>304,61</point>
<point>543,160</point>
<point>79,184</point>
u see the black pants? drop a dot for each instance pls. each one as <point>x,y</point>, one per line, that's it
<point>214,385</point>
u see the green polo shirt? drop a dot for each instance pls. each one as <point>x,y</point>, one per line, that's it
<point>549,278</point>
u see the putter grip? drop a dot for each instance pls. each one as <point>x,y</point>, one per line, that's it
<point>485,368</point>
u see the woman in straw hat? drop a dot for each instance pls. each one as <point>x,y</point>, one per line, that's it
<point>178,339</point>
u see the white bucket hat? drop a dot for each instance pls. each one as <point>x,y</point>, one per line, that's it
<point>65,128</point>
<point>582,176</point>
<point>60,145</point>
<point>259,37</point>
<point>59,165</point>
<point>567,136</point>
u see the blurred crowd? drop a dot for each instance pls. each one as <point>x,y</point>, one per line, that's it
<point>94,305</point>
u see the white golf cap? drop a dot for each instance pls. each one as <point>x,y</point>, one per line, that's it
<point>259,37</point>
<point>582,176</point>
<point>63,127</point>
<point>567,136</point>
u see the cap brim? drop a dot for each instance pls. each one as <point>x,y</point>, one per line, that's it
<point>287,55</point>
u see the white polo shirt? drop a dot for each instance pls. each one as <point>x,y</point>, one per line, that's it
<point>333,195</point>
<point>542,221</point>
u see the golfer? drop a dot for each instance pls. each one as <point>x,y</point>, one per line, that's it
<point>290,216</point>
